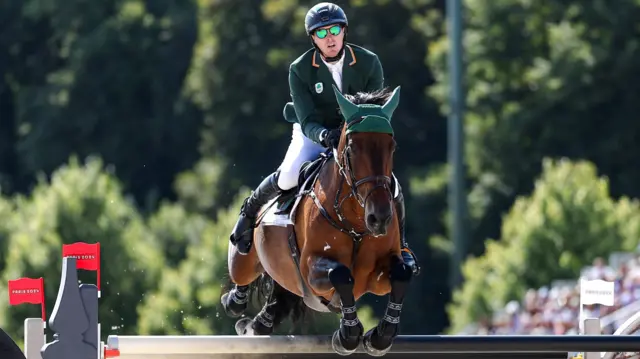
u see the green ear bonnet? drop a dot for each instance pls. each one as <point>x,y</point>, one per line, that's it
<point>368,117</point>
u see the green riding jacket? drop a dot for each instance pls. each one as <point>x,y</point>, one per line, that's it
<point>314,104</point>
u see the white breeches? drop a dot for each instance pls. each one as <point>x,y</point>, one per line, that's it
<point>301,149</point>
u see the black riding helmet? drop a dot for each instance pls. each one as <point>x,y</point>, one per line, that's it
<point>323,14</point>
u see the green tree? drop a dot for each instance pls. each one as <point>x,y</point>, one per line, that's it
<point>6,211</point>
<point>544,79</point>
<point>175,231</point>
<point>568,220</point>
<point>25,61</point>
<point>426,228</point>
<point>239,81</point>
<point>105,79</point>
<point>200,188</point>
<point>81,203</point>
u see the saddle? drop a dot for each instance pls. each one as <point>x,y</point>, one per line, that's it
<point>308,173</point>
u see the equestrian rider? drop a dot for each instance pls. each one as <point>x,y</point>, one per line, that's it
<point>313,112</point>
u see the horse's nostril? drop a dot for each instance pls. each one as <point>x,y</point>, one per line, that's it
<point>372,219</point>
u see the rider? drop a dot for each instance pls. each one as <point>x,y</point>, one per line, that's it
<point>313,112</point>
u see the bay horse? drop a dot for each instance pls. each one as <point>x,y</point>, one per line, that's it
<point>342,239</point>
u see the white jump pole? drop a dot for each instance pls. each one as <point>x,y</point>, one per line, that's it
<point>217,344</point>
<point>171,346</point>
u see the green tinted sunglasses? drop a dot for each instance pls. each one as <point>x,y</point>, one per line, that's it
<point>334,30</point>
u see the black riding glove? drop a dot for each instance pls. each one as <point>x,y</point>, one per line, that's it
<point>330,138</point>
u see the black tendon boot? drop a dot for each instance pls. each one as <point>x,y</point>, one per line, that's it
<point>408,256</point>
<point>242,233</point>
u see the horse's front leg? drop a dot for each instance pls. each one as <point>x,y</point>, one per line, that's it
<point>325,273</point>
<point>379,339</point>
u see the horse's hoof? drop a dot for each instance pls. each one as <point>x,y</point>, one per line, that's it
<point>262,325</point>
<point>244,327</point>
<point>337,345</point>
<point>368,345</point>
<point>231,308</point>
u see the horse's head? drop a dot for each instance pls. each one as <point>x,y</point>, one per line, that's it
<point>365,153</point>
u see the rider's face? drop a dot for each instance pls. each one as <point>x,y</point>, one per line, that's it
<point>328,41</point>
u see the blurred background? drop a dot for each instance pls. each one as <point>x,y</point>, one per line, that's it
<point>143,124</point>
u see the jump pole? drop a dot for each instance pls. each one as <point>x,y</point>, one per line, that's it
<point>404,344</point>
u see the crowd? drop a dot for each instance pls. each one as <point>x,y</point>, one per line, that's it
<point>555,309</point>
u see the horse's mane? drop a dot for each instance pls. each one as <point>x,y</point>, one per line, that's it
<point>377,97</point>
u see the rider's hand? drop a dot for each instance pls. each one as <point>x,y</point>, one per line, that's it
<point>330,138</point>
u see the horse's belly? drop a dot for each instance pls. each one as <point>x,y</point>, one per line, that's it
<point>275,256</point>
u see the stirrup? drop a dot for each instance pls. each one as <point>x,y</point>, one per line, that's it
<point>408,250</point>
<point>416,266</point>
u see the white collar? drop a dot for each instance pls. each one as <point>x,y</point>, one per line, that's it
<point>337,64</point>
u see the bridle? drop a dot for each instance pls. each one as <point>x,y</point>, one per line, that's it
<point>347,175</point>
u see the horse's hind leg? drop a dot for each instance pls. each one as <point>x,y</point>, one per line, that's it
<point>379,339</point>
<point>279,304</point>
<point>235,301</point>
<point>243,270</point>
<point>324,274</point>
<point>263,322</point>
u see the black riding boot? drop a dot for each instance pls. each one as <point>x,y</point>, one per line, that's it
<point>407,254</point>
<point>242,233</point>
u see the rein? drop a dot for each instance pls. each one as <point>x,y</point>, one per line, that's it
<point>346,175</point>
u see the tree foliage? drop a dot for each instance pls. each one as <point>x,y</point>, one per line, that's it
<point>543,79</point>
<point>81,203</point>
<point>187,299</point>
<point>6,209</point>
<point>102,79</point>
<point>566,222</point>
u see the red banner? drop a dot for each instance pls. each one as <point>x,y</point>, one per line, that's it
<point>27,290</point>
<point>87,256</point>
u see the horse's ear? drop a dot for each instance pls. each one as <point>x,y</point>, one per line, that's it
<point>392,103</point>
<point>347,108</point>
